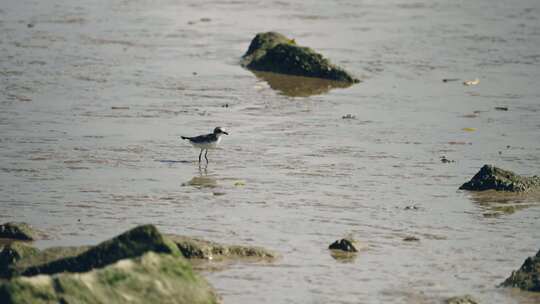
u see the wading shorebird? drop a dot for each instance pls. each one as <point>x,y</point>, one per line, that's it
<point>207,141</point>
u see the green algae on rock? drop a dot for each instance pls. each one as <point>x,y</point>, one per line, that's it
<point>273,52</point>
<point>491,177</point>
<point>150,278</point>
<point>12,253</point>
<point>17,231</point>
<point>527,277</point>
<point>466,299</point>
<point>194,248</point>
<point>130,244</point>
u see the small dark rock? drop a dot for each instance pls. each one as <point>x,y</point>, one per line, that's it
<point>273,52</point>
<point>467,299</point>
<point>347,244</point>
<point>17,231</point>
<point>491,177</point>
<point>527,277</point>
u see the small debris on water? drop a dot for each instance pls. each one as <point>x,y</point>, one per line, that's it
<point>501,108</point>
<point>119,108</point>
<point>411,239</point>
<point>450,79</point>
<point>239,183</point>
<point>459,143</point>
<point>445,160</point>
<point>225,105</point>
<point>469,129</point>
<point>412,207</point>
<point>471,82</point>
<point>349,116</point>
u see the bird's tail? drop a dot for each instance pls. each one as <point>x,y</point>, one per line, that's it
<point>183,137</point>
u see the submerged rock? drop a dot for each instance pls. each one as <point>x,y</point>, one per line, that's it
<point>467,299</point>
<point>273,52</point>
<point>193,248</point>
<point>527,277</point>
<point>18,231</point>
<point>347,244</point>
<point>150,278</point>
<point>130,244</point>
<point>491,177</point>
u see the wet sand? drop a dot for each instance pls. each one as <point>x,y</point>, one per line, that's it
<point>94,97</point>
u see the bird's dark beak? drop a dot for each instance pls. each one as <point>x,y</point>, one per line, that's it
<point>225,133</point>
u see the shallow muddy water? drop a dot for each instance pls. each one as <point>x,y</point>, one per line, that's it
<point>95,95</point>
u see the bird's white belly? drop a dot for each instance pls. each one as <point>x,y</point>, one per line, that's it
<point>204,146</point>
<point>207,145</point>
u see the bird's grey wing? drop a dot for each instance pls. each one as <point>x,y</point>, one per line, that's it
<point>201,138</point>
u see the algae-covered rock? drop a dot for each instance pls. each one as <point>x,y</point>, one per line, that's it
<point>13,253</point>
<point>466,299</point>
<point>132,243</point>
<point>43,257</point>
<point>150,278</point>
<point>347,244</point>
<point>273,52</point>
<point>527,277</point>
<point>201,249</point>
<point>491,177</point>
<point>17,231</point>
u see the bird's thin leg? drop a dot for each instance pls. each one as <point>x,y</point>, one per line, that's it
<point>200,156</point>
<point>205,156</point>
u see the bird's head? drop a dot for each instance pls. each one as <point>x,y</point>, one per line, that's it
<point>219,131</point>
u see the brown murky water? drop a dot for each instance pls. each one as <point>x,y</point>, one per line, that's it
<point>94,97</point>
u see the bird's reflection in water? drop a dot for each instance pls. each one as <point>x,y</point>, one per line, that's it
<point>203,180</point>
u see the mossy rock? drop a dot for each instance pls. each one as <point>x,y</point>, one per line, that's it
<point>194,248</point>
<point>527,277</point>
<point>132,243</point>
<point>150,278</point>
<point>18,231</point>
<point>493,178</point>
<point>273,52</point>
<point>13,253</point>
<point>466,299</point>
